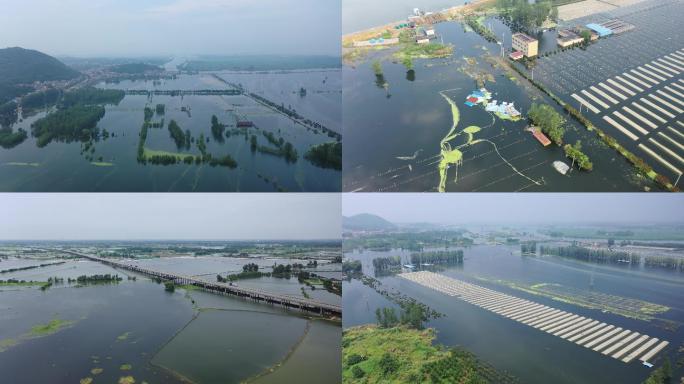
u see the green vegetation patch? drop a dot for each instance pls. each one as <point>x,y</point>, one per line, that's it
<point>126,367</point>
<point>21,283</point>
<point>101,164</point>
<point>5,344</point>
<point>127,380</point>
<point>86,380</point>
<point>423,51</point>
<point>619,305</point>
<point>326,155</point>
<point>54,326</point>
<point>96,371</point>
<point>189,287</point>
<point>123,336</point>
<point>77,123</point>
<point>10,139</point>
<point>149,153</point>
<point>401,355</point>
<point>22,164</point>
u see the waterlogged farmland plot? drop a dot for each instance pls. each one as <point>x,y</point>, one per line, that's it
<point>204,132</point>
<point>630,85</point>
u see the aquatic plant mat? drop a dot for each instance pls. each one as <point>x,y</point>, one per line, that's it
<point>616,342</point>
<point>40,330</point>
<point>619,305</point>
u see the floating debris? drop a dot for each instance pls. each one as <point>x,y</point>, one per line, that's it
<point>415,155</point>
<point>481,96</point>
<point>504,111</point>
<point>561,167</point>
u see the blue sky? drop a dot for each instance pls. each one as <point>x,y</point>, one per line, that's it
<point>172,27</point>
<point>175,216</point>
<point>495,208</point>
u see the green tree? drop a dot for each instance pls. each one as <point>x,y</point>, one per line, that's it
<point>550,121</point>
<point>575,153</point>
<point>169,286</point>
<point>253,143</point>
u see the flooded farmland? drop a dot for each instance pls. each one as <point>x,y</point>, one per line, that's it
<point>112,163</point>
<point>525,352</point>
<point>135,330</point>
<point>394,132</point>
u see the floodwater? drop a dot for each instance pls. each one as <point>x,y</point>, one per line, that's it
<point>410,117</point>
<point>61,167</point>
<point>177,337</point>
<point>530,355</point>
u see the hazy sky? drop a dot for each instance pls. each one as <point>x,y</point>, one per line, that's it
<point>224,216</point>
<point>161,27</point>
<point>493,208</point>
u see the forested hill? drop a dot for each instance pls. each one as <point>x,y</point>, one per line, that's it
<point>19,65</point>
<point>24,66</point>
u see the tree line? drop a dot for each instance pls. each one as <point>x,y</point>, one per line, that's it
<point>602,256</point>
<point>438,257</point>
<point>528,247</point>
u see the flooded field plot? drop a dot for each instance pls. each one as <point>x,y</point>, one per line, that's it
<point>612,341</point>
<point>630,85</point>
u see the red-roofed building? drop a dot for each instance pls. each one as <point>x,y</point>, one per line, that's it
<point>517,55</point>
<point>541,138</point>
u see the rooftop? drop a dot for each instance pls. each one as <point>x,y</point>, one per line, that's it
<point>524,37</point>
<point>601,30</point>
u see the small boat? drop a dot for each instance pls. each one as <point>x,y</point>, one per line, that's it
<point>561,167</point>
<point>646,363</point>
<point>409,266</point>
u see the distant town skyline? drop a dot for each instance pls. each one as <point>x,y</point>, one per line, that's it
<point>170,216</point>
<point>108,28</point>
<point>522,208</point>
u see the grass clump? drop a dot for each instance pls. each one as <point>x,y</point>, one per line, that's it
<point>55,325</point>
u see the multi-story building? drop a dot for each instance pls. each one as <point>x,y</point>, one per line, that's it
<point>528,45</point>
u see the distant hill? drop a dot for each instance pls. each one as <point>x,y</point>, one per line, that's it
<point>366,222</point>
<point>23,66</point>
